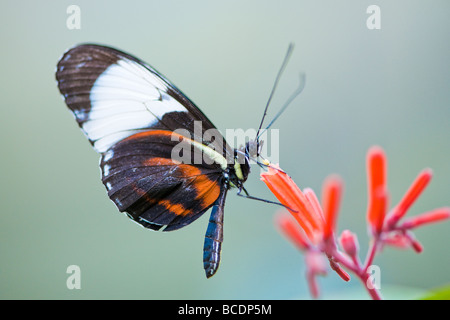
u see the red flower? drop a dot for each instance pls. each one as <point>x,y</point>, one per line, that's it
<point>425,218</point>
<point>291,230</point>
<point>331,198</point>
<point>349,242</point>
<point>378,198</point>
<point>317,221</point>
<point>317,224</point>
<point>419,184</point>
<point>377,190</point>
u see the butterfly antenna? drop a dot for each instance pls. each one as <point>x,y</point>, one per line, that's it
<point>277,79</point>
<point>288,102</point>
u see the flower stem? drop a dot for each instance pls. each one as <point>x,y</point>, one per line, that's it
<point>355,267</point>
<point>371,289</point>
<point>371,252</point>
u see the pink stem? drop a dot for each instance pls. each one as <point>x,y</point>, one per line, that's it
<point>371,252</point>
<point>356,268</point>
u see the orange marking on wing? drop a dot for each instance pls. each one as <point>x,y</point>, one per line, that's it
<point>190,171</point>
<point>207,190</point>
<point>175,208</point>
<point>156,161</point>
<point>149,133</point>
<point>186,170</point>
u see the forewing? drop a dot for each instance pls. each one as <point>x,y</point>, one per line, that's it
<point>114,95</point>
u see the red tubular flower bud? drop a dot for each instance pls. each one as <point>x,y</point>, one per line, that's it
<point>415,244</point>
<point>378,210</point>
<point>414,191</point>
<point>337,268</point>
<point>290,195</point>
<point>312,198</point>
<point>377,189</point>
<point>349,243</point>
<point>331,198</point>
<point>428,217</point>
<point>291,230</point>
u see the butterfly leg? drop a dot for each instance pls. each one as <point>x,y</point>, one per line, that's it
<point>248,196</point>
<point>214,236</point>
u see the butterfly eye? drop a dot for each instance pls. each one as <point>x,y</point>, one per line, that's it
<point>260,147</point>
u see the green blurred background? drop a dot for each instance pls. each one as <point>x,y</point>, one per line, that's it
<point>363,87</point>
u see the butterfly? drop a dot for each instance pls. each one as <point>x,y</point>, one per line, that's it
<point>163,162</point>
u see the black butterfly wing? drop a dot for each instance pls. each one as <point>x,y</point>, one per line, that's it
<point>114,95</point>
<point>129,112</point>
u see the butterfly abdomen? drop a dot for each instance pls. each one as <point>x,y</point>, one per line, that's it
<point>214,237</point>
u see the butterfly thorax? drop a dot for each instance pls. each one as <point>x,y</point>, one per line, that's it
<point>237,173</point>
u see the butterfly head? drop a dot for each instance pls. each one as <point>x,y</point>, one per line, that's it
<point>241,167</point>
<point>253,148</point>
